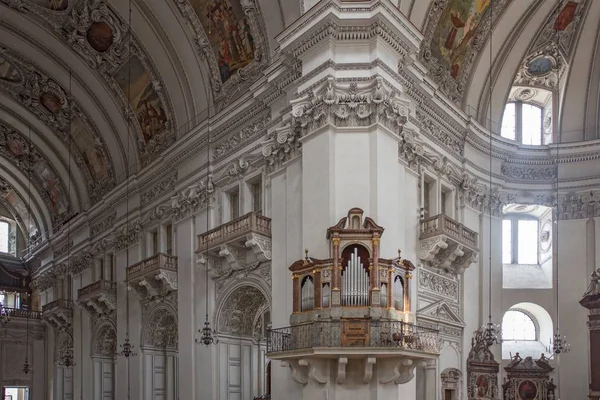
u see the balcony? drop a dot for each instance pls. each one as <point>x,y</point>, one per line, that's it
<point>98,298</point>
<point>9,313</point>
<point>371,336</point>
<point>230,240</point>
<point>395,347</point>
<point>447,244</point>
<point>58,313</point>
<point>153,278</point>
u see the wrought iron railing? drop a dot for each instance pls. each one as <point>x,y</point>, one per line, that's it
<point>157,261</point>
<point>20,313</point>
<point>251,222</point>
<point>58,303</point>
<point>442,224</point>
<point>350,333</point>
<point>98,286</point>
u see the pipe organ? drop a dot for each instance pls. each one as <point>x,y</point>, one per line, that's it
<point>355,282</point>
<point>353,276</point>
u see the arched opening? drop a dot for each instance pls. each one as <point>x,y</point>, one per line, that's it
<point>104,348</point>
<point>398,293</point>
<point>242,320</point>
<point>307,291</point>
<point>160,353</point>
<point>527,117</point>
<point>524,327</point>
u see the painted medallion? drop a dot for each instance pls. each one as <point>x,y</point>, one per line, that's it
<point>100,36</point>
<point>527,390</point>
<point>50,101</point>
<point>540,66</point>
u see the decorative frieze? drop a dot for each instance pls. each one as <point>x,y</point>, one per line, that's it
<point>103,224</point>
<point>519,172</point>
<point>350,104</point>
<point>281,145</point>
<point>191,200</point>
<point>159,189</point>
<point>253,131</point>
<point>128,236</point>
<point>438,284</point>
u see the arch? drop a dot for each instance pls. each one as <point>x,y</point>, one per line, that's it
<point>238,311</point>
<point>260,284</point>
<point>104,343</point>
<point>64,343</point>
<point>543,324</point>
<point>160,329</point>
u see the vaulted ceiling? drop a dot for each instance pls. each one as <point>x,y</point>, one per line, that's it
<point>71,76</point>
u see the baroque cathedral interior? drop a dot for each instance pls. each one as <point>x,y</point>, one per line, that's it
<point>299,199</point>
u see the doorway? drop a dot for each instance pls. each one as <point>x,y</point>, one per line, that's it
<point>15,393</point>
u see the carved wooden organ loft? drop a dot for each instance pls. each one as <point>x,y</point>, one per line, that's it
<point>354,281</point>
<point>354,299</point>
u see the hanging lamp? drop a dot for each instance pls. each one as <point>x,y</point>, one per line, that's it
<point>491,331</point>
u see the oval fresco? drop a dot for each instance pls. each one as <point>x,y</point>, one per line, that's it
<point>51,102</point>
<point>100,36</point>
<point>540,66</point>
<point>8,71</point>
<point>528,390</point>
<point>57,5</point>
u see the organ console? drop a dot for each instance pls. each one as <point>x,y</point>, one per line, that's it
<point>353,282</point>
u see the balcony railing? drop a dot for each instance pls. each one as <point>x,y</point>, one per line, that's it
<point>351,333</point>
<point>100,286</point>
<point>20,313</point>
<point>248,223</point>
<point>442,224</point>
<point>156,262</point>
<point>56,304</point>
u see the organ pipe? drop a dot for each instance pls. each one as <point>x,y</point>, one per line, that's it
<point>355,282</point>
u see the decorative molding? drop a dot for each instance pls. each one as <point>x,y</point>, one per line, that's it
<point>192,199</point>
<point>231,143</point>
<point>73,26</point>
<point>280,146</point>
<point>520,173</point>
<point>158,189</point>
<point>160,329</point>
<point>128,236</point>
<point>104,343</point>
<point>51,104</point>
<point>438,284</point>
<point>354,104</point>
<point>104,224</point>
<point>237,315</point>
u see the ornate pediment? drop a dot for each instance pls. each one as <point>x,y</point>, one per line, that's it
<point>442,312</point>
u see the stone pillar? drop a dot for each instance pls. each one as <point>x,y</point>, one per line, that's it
<point>296,293</point>
<point>318,288</point>
<point>375,285</point>
<point>431,380</point>
<point>591,301</point>
<point>187,325</point>
<point>336,274</point>
<point>407,292</point>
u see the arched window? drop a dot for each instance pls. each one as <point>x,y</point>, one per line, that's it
<point>517,325</point>
<point>308,293</point>
<point>523,122</point>
<point>4,236</point>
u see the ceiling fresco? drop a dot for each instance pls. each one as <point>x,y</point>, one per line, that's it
<point>455,32</point>
<point>231,36</point>
<point>29,160</point>
<point>46,99</point>
<point>97,34</point>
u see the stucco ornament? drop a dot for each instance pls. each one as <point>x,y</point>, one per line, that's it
<point>238,314</point>
<point>105,341</point>
<point>281,145</point>
<point>192,199</point>
<point>160,330</point>
<point>50,103</point>
<point>97,33</point>
<point>350,104</point>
